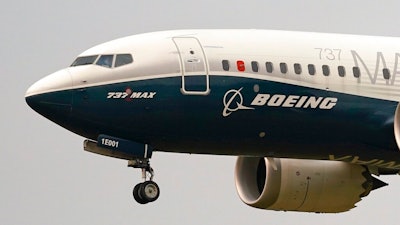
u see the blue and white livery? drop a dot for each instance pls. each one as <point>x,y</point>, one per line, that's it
<point>312,117</point>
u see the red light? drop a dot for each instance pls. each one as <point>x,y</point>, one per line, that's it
<point>240,65</point>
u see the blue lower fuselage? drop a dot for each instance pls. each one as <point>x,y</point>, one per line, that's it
<point>157,112</point>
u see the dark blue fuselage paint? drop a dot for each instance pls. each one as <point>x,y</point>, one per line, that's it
<point>169,120</point>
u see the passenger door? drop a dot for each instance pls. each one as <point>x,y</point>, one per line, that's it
<point>194,67</point>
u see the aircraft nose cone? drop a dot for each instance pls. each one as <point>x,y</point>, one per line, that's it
<point>57,81</point>
<point>51,96</point>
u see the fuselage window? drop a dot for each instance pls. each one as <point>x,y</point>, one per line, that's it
<point>225,65</point>
<point>311,69</point>
<point>123,59</point>
<point>386,73</point>
<point>84,60</point>
<point>341,71</point>
<point>356,72</point>
<point>297,68</point>
<point>325,70</point>
<point>269,67</point>
<point>283,67</point>
<point>105,60</point>
<point>254,66</point>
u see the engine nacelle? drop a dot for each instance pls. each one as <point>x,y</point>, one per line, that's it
<point>301,185</point>
<point>397,125</point>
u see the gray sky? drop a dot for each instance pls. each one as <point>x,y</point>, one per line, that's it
<point>46,177</point>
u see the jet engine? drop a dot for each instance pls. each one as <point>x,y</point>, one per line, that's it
<point>302,185</point>
<point>397,125</point>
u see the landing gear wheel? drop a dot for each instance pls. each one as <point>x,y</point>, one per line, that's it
<point>137,196</point>
<point>149,191</point>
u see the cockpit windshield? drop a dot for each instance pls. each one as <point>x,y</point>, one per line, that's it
<point>84,60</point>
<point>104,60</point>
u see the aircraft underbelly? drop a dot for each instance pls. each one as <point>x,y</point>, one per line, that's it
<point>240,116</point>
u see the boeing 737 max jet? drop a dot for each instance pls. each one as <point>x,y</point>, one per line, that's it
<point>312,117</point>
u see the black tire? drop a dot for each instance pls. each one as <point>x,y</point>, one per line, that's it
<point>149,191</point>
<point>137,196</point>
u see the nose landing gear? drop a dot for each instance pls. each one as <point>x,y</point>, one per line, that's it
<point>148,191</point>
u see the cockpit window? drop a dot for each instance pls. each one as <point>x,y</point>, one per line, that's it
<point>84,60</point>
<point>123,59</point>
<point>105,60</point>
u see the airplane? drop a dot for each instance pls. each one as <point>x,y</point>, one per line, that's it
<point>312,117</point>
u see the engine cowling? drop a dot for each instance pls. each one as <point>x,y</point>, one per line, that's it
<point>301,185</point>
<point>397,125</point>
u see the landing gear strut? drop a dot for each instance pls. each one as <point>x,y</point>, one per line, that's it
<point>148,191</point>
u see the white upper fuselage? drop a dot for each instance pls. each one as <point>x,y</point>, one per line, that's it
<point>155,55</point>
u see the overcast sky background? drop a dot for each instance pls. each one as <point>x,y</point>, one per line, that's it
<point>45,176</point>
